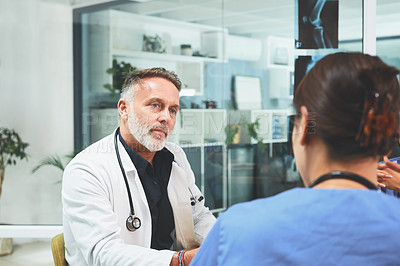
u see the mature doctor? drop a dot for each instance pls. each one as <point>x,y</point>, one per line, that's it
<point>131,198</point>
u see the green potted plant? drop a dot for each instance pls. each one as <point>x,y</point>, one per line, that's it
<point>119,71</point>
<point>11,149</point>
<point>55,161</point>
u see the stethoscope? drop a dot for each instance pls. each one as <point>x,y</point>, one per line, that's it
<point>344,175</point>
<point>133,222</point>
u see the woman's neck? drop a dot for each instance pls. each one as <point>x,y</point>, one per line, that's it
<point>320,163</point>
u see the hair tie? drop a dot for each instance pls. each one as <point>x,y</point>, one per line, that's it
<point>377,121</point>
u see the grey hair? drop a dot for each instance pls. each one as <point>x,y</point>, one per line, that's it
<point>128,93</point>
<point>129,88</point>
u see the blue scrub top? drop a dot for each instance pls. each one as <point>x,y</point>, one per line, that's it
<point>305,226</point>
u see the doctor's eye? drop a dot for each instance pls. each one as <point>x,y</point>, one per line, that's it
<point>155,105</point>
<point>173,111</point>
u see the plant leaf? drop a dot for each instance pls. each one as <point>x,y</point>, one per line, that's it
<point>51,161</point>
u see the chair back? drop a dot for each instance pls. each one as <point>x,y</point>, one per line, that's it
<point>58,250</point>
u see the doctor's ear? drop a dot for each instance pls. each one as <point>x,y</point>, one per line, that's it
<point>123,108</point>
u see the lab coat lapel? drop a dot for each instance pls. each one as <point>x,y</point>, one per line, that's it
<point>132,175</point>
<point>179,196</point>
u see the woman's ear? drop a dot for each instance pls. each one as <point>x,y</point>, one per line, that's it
<point>303,125</point>
<point>123,109</point>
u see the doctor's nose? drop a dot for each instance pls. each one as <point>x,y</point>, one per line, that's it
<point>165,116</point>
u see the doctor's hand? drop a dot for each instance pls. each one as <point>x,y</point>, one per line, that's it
<point>389,174</point>
<point>184,256</point>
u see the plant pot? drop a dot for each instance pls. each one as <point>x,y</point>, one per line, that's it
<point>6,246</point>
<point>236,137</point>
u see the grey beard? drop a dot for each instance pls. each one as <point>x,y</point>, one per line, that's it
<point>141,131</point>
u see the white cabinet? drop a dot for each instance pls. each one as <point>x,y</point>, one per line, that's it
<point>119,35</point>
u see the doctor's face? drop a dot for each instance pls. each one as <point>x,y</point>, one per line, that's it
<point>155,106</point>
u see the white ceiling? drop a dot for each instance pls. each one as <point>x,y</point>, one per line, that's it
<point>257,17</point>
<point>241,17</point>
<point>261,17</point>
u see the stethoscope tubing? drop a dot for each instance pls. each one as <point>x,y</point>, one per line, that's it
<point>133,222</point>
<point>123,173</point>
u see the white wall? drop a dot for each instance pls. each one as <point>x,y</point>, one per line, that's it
<point>36,99</point>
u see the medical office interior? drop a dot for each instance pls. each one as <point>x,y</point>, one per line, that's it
<point>62,62</point>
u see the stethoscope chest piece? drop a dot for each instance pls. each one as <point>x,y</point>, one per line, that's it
<point>133,223</point>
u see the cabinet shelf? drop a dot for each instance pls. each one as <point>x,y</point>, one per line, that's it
<point>163,56</point>
<point>275,141</point>
<point>195,145</point>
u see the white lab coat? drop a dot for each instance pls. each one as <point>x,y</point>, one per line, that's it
<point>96,206</point>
